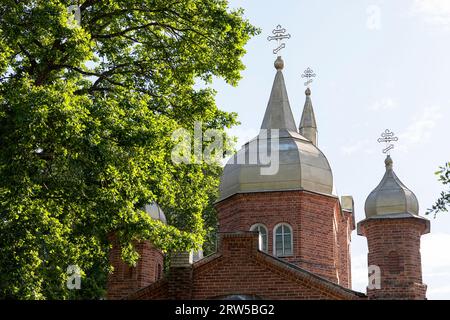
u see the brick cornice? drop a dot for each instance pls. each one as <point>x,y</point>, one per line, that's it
<point>300,190</point>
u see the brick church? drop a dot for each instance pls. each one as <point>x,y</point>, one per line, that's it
<point>286,235</point>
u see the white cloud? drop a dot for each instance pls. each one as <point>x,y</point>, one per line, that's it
<point>421,128</point>
<point>435,253</point>
<point>359,273</point>
<point>435,12</point>
<point>436,264</point>
<point>360,125</point>
<point>364,145</point>
<point>350,149</point>
<point>383,104</point>
<point>440,293</point>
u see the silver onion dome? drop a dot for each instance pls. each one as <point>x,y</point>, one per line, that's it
<point>391,197</point>
<point>301,165</point>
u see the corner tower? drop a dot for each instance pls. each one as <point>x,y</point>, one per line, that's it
<point>127,279</point>
<point>393,229</point>
<point>293,209</point>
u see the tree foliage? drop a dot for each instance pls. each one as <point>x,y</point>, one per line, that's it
<point>86,116</point>
<point>443,202</point>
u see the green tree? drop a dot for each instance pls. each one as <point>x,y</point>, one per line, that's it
<point>86,116</point>
<point>443,202</point>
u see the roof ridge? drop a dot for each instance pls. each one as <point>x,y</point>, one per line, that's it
<point>324,281</point>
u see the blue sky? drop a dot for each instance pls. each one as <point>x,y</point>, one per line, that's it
<point>379,64</point>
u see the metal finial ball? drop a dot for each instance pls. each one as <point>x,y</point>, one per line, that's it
<point>308,91</point>
<point>388,162</point>
<point>279,64</point>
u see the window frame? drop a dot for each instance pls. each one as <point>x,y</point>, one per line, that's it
<point>283,224</point>
<point>260,241</point>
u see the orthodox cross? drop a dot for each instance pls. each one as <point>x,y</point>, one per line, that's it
<point>279,35</point>
<point>387,137</point>
<point>309,75</point>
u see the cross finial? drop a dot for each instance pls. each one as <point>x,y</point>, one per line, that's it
<point>279,34</point>
<point>387,137</point>
<point>309,75</point>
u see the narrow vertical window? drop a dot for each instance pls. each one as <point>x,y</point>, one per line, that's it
<point>128,272</point>
<point>159,272</point>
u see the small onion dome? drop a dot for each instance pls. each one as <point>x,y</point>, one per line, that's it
<point>391,198</point>
<point>155,212</point>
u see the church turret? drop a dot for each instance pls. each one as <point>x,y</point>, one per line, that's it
<point>308,126</point>
<point>127,279</point>
<point>393,229</point>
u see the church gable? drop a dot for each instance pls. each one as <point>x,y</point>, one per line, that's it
<point>156,291</point>
<point>240,269</point>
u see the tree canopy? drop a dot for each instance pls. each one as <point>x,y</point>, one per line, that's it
<point>86,115</point>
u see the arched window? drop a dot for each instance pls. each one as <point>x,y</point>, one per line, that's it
<point>262,235</point>
<point>128,272</point>
<point>282,240</point>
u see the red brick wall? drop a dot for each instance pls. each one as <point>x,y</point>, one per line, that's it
<point>241,269</point>
<point>126,279</point>
<point>156,291</point>
<point>238,268</point>
<point>319,244</point>
<point>180,283</point>
<point>343,247</point>
<point>394,246</point>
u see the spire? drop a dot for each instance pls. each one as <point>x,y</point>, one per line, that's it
<point>278,112</point>
<point>308,126</point>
